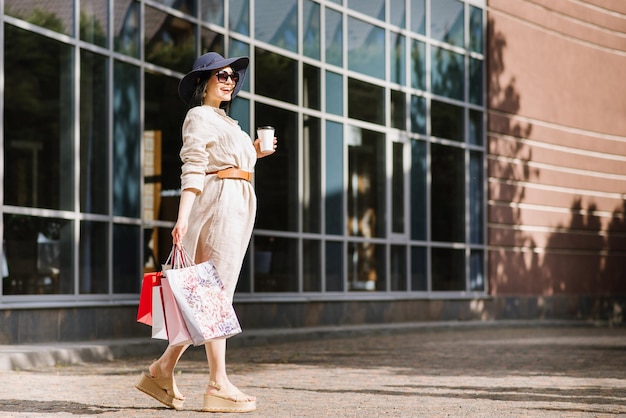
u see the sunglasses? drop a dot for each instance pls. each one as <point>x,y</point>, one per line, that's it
<point>223,76</point>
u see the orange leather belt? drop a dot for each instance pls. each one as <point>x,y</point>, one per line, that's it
<point>233,173</point>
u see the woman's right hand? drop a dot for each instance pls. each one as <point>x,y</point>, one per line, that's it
<point>179,231</point>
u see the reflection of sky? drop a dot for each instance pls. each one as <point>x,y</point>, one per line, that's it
<point>447,20</point>
<point>275,22</point>
<point>373,8</point>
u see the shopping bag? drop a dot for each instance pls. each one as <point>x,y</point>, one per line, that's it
<point>144,312</point>
<point>200,294</point>
<point>177,332</point>
<point>159,330</point>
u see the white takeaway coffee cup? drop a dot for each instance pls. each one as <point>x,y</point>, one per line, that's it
<point>266,135</point>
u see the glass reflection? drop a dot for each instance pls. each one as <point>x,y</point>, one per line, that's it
<point>448,73</point>
<point>127,146</point>
<point>477,271</point>
<point>366,186</point>
<point>448,271</point>
<point>57,16</point>
<point>418,67</point>
<point>418,114</point>
<point>126,27</point>
<point>418,189</point>
<point>447,17</point>
<point>185,6</point>
<point>334,38</point>
<point>38,255</point>
<point>276,22</point>
<point>334,178</point>
<point>239,16</point>
<point>240,49</point>
<point>312,175</point>
<point>418,16</point>
<point>94,130</point>
<point>446,120</point>
<point>397,61</point>
<point>169,40</point>
<point>276,181</point>
<point>397,188</point>
<point>94,258</point>
<point>476,29</point>
<point>476,132</point>
<point>397,13</point>
<point>398,268</point>
<point>212,11</point>
<point>210,41</point>
<point>360,92</point>
<point>38,128</point>
<point>311,266</point>
<point>334,267</point>
<point>334,93</point>
<point>127,272</point>
<point>372,8</point>
<point>447,205</point>
<point>311,30</point>
<point>366,266</point>
<point>476,198</point>
<point>94,21</point>
<point>476,81</point>
<point>276,76</point>
<point>366,47</point>
<point>311,86</point>
<point>419,269</point>
<point>398,110</point>
<point>275,264</point>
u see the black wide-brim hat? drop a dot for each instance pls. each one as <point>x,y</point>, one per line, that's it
<point>207,63</point>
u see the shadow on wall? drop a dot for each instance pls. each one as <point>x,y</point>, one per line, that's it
<point>585,257</point>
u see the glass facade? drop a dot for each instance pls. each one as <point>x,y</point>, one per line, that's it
<point>377,187</point>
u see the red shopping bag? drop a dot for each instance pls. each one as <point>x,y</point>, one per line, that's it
<point>144,312</point>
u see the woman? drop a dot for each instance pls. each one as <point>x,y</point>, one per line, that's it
<point>215,215</point>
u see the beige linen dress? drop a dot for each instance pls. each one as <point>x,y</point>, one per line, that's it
<point>223,213</point>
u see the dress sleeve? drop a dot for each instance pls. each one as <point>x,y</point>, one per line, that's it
<point>194,153</point>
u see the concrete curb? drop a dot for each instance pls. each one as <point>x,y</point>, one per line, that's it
<point>29,357</point>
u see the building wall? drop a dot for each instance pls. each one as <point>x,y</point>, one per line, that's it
<point>556,147</point>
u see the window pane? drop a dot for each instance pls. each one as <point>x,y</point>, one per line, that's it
<point>418,114</point>
<point>126,144</point>
<point>366,188</point>
<point>311,30</point>
<point>170,41</point>
<point>271,67</point>
<point>359,93</point>
<point>209,41</point>
<point>38,125</point>
<point>39,255</point>
<point>476,29</point>
<point>397,13</point>
<point>311,88</point>
<point>311,170</point>
<point>279,271</point>
<point>447,193</point>
<point>276,181</point>
<point>477,271</point>
<point>334,267</point>
<point>334,93</point>
<point>418,190</point>
<point>127,274</point>
<point>240,111</point>
<point>418,67</point>
<point>94,22</point>
<point>334,178</point>
<point>398,110</point>
<point>446,121</point>
<point>476,132</point>
<point>157,245</point>
<point>397,60</point>
<point>311,266</point>
<point>366,266</point>
<point>448,269</point>
<point>447,75</point>
<point>239,16</point>
<point>213,11</point>
<point>57,16</point>
<point>94,258</point>
<point>398,268</point>
<point>447,19</point>
<point>164,113</point>
<point>476,81</point>
<point>372,8</point>
<point>240,49</point>
<point>94,138</point>
<point>477,198</point>
<point>366,47</point>
<point>276,22</point>
<point>397,189</point>
<point>334,38</point>
<point>419,268</point>
<point>126,27</point>
<point>418,16</point>
<point>185,6</point>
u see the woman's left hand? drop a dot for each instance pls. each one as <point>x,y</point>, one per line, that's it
<point>261,154</point>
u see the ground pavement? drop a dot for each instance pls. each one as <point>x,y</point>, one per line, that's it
<point>450,370</point>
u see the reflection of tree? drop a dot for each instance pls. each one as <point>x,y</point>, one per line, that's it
<point>91,30</point>
<point>448,76</point>
<point>270,67</point>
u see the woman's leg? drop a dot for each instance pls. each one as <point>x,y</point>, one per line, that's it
<point>216,356</point>
<point>164,365</point>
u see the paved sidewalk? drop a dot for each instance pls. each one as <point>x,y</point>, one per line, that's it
<point>436,370</point>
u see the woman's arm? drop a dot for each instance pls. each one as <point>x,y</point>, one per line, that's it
<point>187,197</point>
